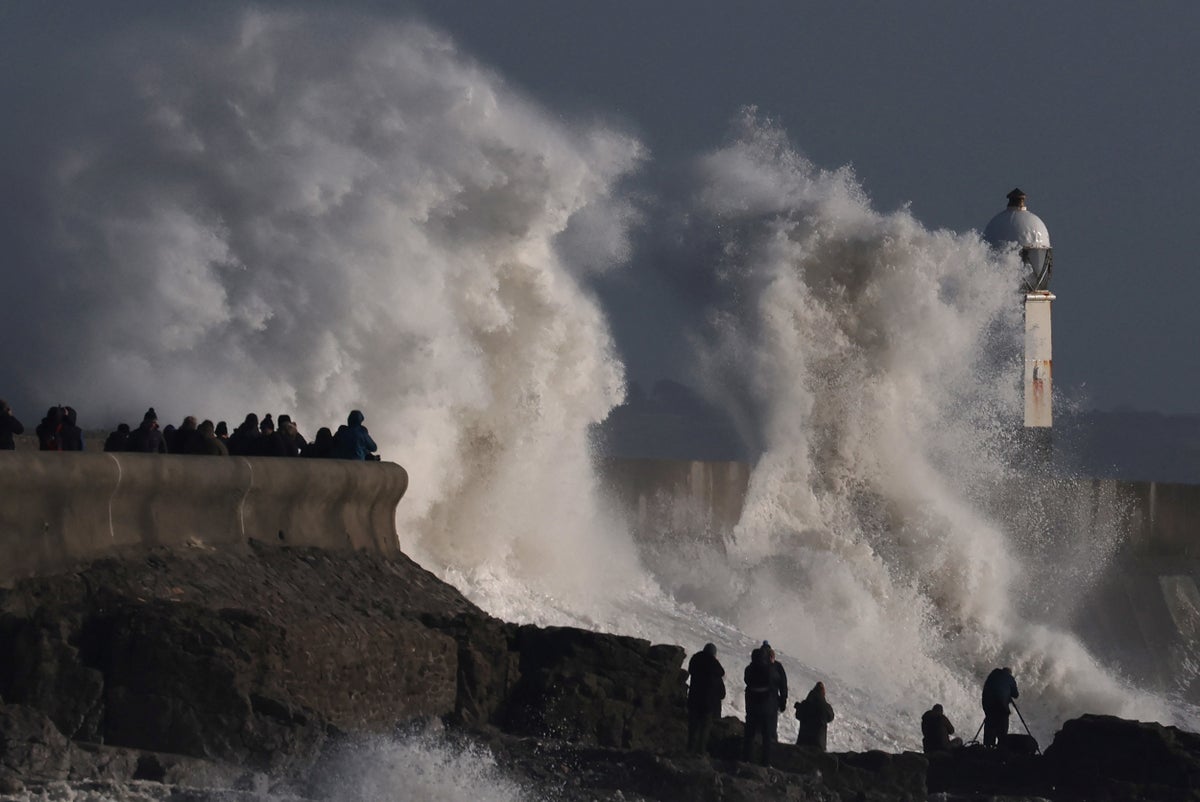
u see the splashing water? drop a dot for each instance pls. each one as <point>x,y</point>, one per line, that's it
<point>314,213</point>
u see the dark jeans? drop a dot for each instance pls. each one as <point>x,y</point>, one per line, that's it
<point>760,722</point>
<point>699,727</point>
<point>995,727</point>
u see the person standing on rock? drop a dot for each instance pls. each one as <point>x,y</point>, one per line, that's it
<point>706,689</point>
<point>936,730</point>
<point>814,714</point>
<point>999,690</point>
<point>762,702</point>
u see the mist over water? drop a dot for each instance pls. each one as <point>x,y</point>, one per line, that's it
<point>311,213</point>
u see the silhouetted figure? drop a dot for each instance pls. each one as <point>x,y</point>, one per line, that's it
<point>322,445</point>
<point>270,443</point>
<point>49,430</point>
<point>181,440</point>
<point>353,441</point>
<point>242,441</point>
<point>222,432</point>
<point>762,703</point>
<point>781,686</point>
<point>999,690</point>
<point>291,436</point>
<point>146,438</point>
<point>814,714</point>
<point>70,436</point>
<point>706,689</point>
<point>936,730</point>
<point>206,442</point>
<point>9,425</point>
<point>119,439</point>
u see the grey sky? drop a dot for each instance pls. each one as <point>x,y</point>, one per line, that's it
<point>1088,106</point>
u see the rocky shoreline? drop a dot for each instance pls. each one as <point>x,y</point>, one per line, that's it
<point>270,672</point>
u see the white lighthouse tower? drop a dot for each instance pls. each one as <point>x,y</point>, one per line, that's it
<point>1018,227</point>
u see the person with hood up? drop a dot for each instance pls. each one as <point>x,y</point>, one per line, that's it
<point>814,714</point>
<point>49,431</point>
<point>118,440</point>
<point>354,441</point>
<point>936,730</point>
<point>999,691</point>
<point>706,689</point>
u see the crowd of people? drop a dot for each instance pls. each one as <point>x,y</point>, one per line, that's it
<point>767,693</point>
<point>59,431</point>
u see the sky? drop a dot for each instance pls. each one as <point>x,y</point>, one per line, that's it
<point>943,107</point>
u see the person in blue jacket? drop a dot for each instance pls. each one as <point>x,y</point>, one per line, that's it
<point>353,441</point>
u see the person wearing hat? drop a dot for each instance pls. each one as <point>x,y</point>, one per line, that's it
<point>764,698</point>
<point>146,438</point>
<point>706,689</point>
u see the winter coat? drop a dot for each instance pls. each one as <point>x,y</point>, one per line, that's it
<point>936,730</point>
<point>999,689</point>
<point>814,714</point>
<point>353,441</point>
<point>9,426</point>
<point>706,687</point>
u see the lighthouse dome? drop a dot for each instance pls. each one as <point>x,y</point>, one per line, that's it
<point>1016,224</point>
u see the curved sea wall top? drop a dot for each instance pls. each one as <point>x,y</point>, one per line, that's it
<point>61,509</point>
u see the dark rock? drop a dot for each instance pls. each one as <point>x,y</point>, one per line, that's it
<point>1107,758</point>
<point>607,690</point>
<point>31,749</point>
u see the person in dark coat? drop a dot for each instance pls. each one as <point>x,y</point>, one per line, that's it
<point>999,690</point>
<point>119,439</point>
<point>270,443</point>
<point>49,429</point>
<point>182,439</point>
<point>354,441</point>
<point>146,438</point>
<point>290,433</point>
<point>242,441</point>
<point>71,436</point>
<point>706,689</point>
<point>9,425</point>
<point>936,730</point>
<point>322,445</point>
<point>814,714</point>
<point>222,432</point>
<point>762,703</point>
<point>206,442</point>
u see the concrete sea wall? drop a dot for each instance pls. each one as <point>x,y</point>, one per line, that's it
<point>61,509</point>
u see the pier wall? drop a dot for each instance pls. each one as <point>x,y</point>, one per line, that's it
<point>60,509</point>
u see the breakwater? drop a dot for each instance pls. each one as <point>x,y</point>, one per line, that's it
<point>63,509</point>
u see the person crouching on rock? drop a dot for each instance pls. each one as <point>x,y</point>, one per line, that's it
<point>814,714</point>
<point>936,730</point>
<point>762,703</point>
<point>999,690</point>
<point>706,689</point>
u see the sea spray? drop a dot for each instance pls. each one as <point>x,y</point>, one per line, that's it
<point>309,213</point>
<point>865,348</point>
<point>306,213</point>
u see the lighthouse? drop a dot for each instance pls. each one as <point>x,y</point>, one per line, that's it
<point>1017,227</point>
